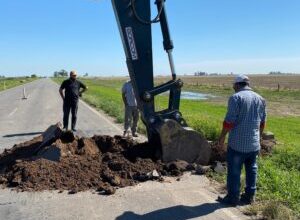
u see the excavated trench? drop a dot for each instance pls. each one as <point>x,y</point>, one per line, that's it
<point>61,161</point>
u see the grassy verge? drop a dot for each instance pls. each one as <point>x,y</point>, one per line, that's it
<point>279,174</point>
<point>10,82</point>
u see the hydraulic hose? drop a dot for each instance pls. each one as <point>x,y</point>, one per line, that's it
<point>155,20</point>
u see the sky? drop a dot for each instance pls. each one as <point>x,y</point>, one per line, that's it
<point>215,36</point>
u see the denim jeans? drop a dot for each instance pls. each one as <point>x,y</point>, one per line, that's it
<point>235,161</point>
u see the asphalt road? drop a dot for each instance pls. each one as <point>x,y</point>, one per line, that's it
<point>21,119</point>
<point>190,198</point>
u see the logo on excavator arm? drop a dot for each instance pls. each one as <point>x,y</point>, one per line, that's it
<point>131,43</point>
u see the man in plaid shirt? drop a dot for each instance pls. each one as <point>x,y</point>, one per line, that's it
<point>245,122</point>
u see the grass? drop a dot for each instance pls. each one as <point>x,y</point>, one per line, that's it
<point>270,210</point>
<point>279,174</point>
<point>7,83</point>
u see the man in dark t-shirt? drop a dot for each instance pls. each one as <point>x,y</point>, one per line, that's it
<point>73,90</point>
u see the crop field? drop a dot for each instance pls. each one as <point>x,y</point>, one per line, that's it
<point>281,92</point>
<point>7,83</point>
<point>291,82</point>
<point>279,174</point>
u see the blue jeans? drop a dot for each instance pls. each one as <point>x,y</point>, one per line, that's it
<point>235,161</point>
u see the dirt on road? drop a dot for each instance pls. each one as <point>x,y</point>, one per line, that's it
<point>101,163</point>
<point>61,161</point>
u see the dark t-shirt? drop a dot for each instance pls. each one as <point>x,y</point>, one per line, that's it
<point>72,88</point>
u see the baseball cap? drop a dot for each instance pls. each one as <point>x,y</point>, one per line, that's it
<point>241,78</point>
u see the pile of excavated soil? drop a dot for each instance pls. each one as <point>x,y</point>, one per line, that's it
<point>62,161</point>
<point>101,163</point>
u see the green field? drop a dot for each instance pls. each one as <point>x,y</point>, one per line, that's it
<point>279,174</point>
<point>10,82</point>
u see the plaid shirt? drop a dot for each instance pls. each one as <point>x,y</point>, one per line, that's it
<point>246,111</point>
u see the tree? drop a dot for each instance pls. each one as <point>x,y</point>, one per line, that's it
<point>276,73</point>
<point>56,74</point>
<point>200,73</point>
<point>61,73</point>
<point>86,75</point>
<point>33,75</point>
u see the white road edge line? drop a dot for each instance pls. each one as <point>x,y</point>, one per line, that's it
<point>101,115</point>
<point>13,112</point>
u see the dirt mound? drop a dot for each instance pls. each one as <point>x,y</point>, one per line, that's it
<point>217,153</point>
<point>267,143</point>
<point>67,162</point>
<point>267,147</point>
<point>61,161</point>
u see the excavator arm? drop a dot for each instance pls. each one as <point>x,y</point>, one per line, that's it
<point>166,128</point>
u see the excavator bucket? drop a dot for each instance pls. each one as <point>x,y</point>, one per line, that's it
<point>183,143</point>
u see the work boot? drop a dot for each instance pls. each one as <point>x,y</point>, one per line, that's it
<point>74,129</point>
<point>228,200</point>
<point>247,199</point>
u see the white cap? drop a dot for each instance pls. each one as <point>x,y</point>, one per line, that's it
<point>241,78</point>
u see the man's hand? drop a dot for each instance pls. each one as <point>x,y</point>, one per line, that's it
<point>221,142</point>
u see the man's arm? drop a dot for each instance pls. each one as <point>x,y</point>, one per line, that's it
<point>261,128</point>
<point>83,88</point>
<point>62,87</point>
<point>124,94</point>
<point>230,120</point>
<point>124,98</point>
<point>61,94</point>
<point>226,128</point>
<point>263,119</point>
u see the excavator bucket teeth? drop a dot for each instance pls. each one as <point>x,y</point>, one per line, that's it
<point>183,143</point>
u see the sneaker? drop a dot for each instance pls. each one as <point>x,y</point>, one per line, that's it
<point>247,199</point>
<point>227,200</point>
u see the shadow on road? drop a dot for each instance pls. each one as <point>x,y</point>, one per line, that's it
<point>174,213</point>
<point>22,134</point>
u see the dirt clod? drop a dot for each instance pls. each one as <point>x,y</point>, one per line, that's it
<point>201,170</point>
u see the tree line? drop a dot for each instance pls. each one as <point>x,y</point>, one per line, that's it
<point>64,73</point>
